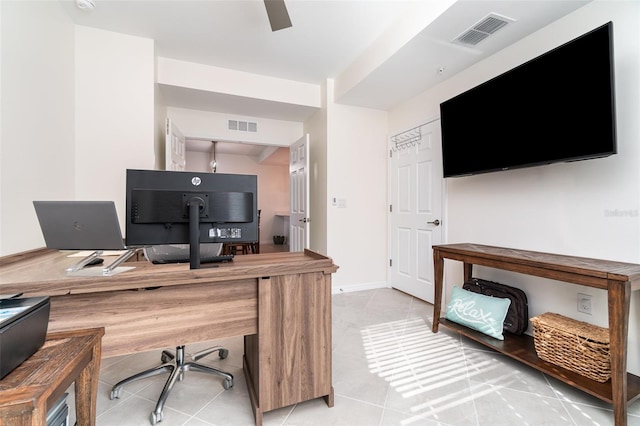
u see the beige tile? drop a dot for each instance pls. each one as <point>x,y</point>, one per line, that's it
<point>388,369</point>
<point>345,412</point>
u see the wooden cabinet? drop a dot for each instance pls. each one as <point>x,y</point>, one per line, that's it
<point>289,360</point>
<point>617,278</point>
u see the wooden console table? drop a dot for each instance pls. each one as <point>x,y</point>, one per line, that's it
<point>34,386</point>
<point>617,278</point>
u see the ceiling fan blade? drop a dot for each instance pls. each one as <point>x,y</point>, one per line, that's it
<point>278,15</point>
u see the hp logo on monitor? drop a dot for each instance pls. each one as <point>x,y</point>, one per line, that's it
<point>195,181</point>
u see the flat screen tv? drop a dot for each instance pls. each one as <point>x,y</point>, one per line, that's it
<point>557,107</point>
<point>171,207</point>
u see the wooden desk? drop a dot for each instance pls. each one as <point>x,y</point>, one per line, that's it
<point>27,393</point>
<point>160,306</point>
<point>617,278</point>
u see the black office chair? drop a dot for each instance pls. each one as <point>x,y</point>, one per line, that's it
<point>176,365</point>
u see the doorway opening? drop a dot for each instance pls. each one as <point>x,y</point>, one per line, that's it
<point>269,163</point>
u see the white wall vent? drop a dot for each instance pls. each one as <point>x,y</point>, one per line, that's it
<point>243,126</point>
<point>482,29</point>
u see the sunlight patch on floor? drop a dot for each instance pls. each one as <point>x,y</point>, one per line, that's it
<point>415,361</point>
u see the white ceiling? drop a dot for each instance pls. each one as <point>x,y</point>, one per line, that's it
<point>326,38</point>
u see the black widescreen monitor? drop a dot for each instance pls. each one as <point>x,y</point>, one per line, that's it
<point>171,207</point>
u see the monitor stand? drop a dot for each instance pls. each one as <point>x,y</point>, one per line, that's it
<point>194,204</point>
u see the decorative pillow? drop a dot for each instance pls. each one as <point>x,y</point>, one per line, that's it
<point>485,314</point>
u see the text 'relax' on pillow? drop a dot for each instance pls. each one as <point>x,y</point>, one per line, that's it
<point>485,314</point>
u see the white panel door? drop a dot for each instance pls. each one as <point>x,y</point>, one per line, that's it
<point>174,151</point>
<point>415,211</point>
<point>299,189</point>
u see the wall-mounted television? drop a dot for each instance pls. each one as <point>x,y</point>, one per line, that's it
<point>556,107</point>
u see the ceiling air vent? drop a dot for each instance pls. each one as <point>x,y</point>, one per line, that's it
<point>243,126</point>
<point>482,29</point>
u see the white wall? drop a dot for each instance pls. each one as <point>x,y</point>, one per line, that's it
<point>77,111</point>
<point>357,173</point>
<point>172,72</point>
<point>562,208</point>
<point>160,131</point>
<point>114,112</point>
<point>37,115</point>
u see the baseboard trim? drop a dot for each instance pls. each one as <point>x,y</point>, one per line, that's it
<point>337,289</point>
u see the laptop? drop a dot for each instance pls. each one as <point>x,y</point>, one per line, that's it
<point>83,225</point>
<point>79,225</point>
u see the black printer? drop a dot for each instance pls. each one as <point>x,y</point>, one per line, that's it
<point>23,329</point>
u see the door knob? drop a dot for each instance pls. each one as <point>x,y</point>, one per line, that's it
<point>435,222</point>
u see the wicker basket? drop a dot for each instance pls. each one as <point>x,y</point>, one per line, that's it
<point>574,345</point>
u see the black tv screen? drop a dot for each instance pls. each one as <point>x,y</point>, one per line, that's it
<point>557,107</point>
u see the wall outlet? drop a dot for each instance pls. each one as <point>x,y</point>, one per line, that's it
<point>584,303</point>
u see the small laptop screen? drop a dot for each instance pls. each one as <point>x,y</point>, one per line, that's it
<point>79,225</point>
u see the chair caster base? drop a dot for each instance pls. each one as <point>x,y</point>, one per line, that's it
<point>227,384</point>
<point>115,393</point>
<point>174,364</point>
<point>155,417</point>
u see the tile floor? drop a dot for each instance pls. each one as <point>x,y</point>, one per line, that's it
<point>388,369</point>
